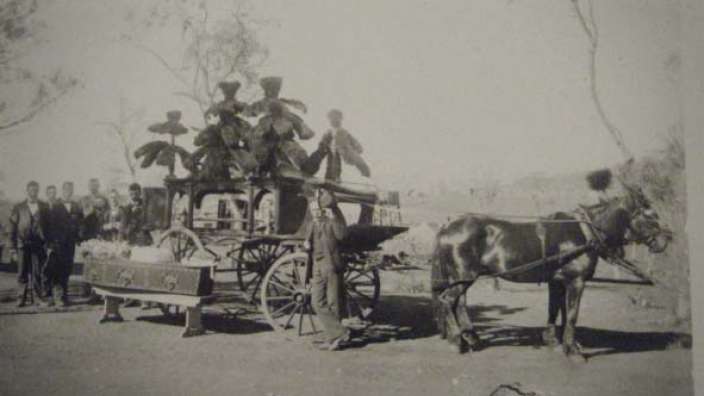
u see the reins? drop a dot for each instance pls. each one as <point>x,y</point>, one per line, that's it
<point>563,258</point>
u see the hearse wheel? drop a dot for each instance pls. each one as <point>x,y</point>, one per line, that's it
<point>286,294</point>
<point>184,243</point>
<point>253,259</point>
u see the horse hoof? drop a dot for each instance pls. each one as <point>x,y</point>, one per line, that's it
<point>459,344</point>
<point>470,337</point>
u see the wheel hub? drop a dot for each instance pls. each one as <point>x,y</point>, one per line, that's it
<point>301,297</point>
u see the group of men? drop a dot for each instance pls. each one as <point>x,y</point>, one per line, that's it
<point>44,235</point>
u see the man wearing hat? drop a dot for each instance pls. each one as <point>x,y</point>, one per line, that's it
<point>28,224</point>
<point>327,229</point>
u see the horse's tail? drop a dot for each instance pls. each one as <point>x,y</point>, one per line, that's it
<point>439,281</point>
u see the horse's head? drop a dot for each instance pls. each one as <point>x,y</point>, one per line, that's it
<point>645,226</point>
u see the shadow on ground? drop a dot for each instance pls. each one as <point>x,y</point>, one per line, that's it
<point>216,322</point>
<point>596,342</point>
<point>411,317</point>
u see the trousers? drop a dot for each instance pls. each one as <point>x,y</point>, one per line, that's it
<point>31,269</point>
<point>60,266</point>
<point>326,293</point>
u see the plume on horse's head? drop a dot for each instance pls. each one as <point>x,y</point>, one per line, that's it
<point>599,180</point>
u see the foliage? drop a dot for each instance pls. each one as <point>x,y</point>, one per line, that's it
<point>599,180</point>
<point>214,49</point>
<point>663,179</point>
<point>20,32</point>
<point>211,154</point>
<point>163,153</point>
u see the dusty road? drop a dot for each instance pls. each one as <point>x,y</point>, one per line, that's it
<point>68,353</point>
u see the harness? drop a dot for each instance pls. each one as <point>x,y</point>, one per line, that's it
<point>595,242</point>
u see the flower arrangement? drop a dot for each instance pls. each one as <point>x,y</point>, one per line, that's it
<point>102,250</point>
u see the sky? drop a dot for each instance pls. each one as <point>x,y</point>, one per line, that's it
<point>437,92</point>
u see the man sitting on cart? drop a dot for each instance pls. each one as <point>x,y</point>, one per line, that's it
<point>326,231</point>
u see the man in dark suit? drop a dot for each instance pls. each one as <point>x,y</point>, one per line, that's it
<point>327,229</point>
<point>28,222</point>
<point>134,229</point>
<point>66,219</point>
<point>52,232</point>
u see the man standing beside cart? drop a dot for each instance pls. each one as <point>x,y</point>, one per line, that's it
<point>327,229</point>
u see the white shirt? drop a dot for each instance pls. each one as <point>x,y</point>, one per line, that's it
<point>67,205</point>
<point>33,207</point>
<point>333,142</point>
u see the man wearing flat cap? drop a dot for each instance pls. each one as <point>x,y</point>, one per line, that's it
<point>326,231</point>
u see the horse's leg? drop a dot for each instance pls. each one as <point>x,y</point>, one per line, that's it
<point>440,314</point>
<point>453,307</point>
<point>440,308</point>
<point>556,304</point>
<point>575,288</point>
<point>467,333</point>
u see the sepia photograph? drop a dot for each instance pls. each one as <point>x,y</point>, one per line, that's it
<point>397,197</point>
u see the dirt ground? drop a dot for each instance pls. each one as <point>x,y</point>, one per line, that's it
<point>68,353</point>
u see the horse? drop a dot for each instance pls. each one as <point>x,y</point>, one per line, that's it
<point>561,250</point>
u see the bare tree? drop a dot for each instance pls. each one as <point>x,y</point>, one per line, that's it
<point>123,129</point>
<point>19,33</point>
<point>585,15</point>
<point>214,49</point>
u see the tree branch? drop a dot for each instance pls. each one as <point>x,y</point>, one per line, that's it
<point>6,128</point>
<point>161,60</point>
<point>583,21</point>
<point>593,35</point>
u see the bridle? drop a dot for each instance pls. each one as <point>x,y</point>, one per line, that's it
<point>643,211</point>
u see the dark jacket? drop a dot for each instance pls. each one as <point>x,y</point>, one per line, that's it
<point>66,223</point>
<point>26,229</point>
<point>134,229</point>
<point>325,234</point>
<point>93,225</point>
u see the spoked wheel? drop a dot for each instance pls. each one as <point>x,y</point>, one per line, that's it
<point>184,243</point>
<point>362,288</point>
<point>253,260</point>
<point>285,296</point>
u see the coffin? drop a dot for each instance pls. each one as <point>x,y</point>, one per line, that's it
<point>148,277</point>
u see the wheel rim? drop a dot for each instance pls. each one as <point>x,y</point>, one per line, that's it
<point>253,262</point>
<point>285,296</point>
